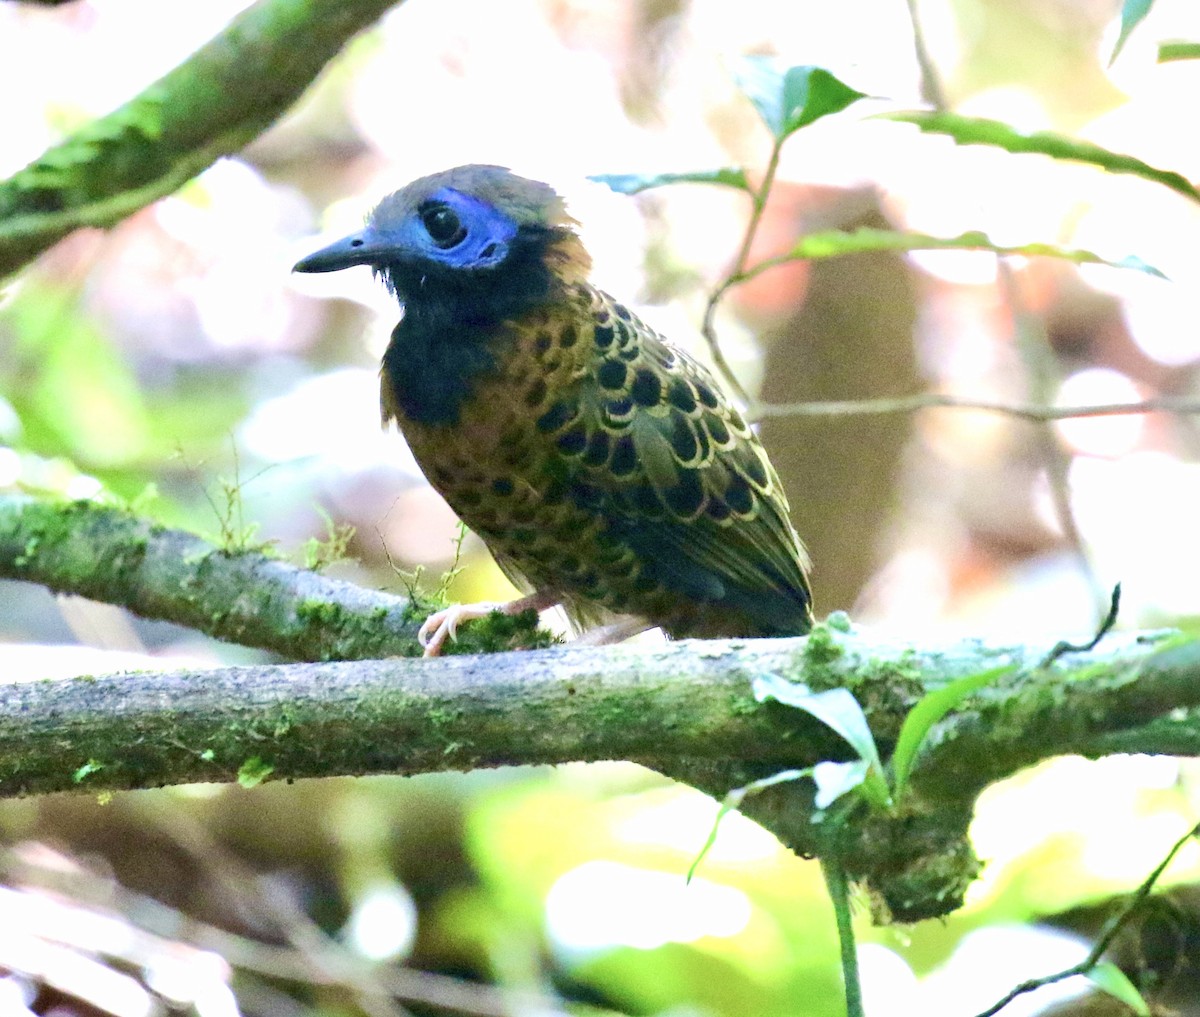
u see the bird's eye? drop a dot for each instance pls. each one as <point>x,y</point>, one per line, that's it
<point>442,224</point>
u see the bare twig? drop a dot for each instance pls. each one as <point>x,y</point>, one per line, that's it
<point>1111,928</point>
<point>331,964</point>
<point>931,82</point>
<point>327,959</point>
<point>1106,626</point>
<point>737,275</point>
<point>940,400</point>
<point>1041,365</point>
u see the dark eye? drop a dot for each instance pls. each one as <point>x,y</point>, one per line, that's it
<point>443,226</point>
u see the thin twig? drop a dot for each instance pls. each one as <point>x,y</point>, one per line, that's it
<point>338,966</point>
<point>324,955</point>
<point>940,400</point>
<point>931,82</point>
<point>737,275</point>
<point>1106,626</point>
<point>1107,934</point>
<point>1035,350</point>
<point>1041,364</point>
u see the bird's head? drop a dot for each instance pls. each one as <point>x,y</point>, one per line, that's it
<point>471,230</point>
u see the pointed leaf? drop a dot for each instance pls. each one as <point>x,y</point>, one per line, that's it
<point>788,98</point>
<point>1111,979</point>
<point>835,243</point>
<point>635,183</point>
<point>1132,12</point>
<point>931,708</point>
<point>975,131</point>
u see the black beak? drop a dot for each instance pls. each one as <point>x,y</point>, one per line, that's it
<point>365,248</point>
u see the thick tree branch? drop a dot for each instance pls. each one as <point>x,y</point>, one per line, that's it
<point>686,710</point>
<point>217,101</point>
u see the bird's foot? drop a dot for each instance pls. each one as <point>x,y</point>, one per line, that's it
<point>443,624</point>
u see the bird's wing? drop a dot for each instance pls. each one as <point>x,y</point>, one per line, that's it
<point>681,476</point>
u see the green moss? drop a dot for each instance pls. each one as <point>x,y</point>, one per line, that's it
<point>822,650</point>
<point>499,632</point>
<point>744,705</point>
<point>86,770</point>
<point>439,715</point>
<point>320,612</point>
<point>839,621</point>
<point>254,771</point>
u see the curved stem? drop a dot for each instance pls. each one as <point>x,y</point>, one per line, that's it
<point>737,275</point>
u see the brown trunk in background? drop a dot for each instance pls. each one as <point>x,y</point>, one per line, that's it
<point>851,338</point>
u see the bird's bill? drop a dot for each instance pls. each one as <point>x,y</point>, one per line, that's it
<point>362,248</point>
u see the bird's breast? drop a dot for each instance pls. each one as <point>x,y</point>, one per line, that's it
<point>496,462</point>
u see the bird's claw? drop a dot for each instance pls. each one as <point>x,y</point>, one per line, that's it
<point>443,624</point>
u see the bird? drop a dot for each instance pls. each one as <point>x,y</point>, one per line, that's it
<point>603,467</point>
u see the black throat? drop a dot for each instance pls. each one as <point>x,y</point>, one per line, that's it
<point>453,330</point>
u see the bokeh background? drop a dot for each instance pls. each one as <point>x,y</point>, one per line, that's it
<point>175,362</point>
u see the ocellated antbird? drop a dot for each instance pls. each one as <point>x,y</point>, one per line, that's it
<point>605,469</point>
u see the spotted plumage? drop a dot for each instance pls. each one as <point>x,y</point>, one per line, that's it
<point>604,468</point>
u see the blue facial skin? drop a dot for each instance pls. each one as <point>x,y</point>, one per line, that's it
<point>481,241</point>
<point>462,268</point>
<point>486,232</point>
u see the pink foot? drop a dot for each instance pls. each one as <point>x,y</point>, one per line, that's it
<point>443,624</point>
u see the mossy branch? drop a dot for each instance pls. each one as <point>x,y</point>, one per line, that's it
<point>686,710</point>
<point>241,597</point>
<point>214,103</point>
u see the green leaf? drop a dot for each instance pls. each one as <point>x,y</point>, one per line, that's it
<point>1111,979</point>
<point>975,131</point>
<point>1170,51</point>
<point>788,98</point>
<point>635,183</point>
<point>837,709</point>
<point>734,799</point>
<point>931,708</point>
<point>1132,13</point>
<point>253,772</point>
<point>835,243</point>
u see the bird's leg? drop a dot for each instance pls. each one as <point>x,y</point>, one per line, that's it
<point>443,624</point>
<point>614,632</point>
